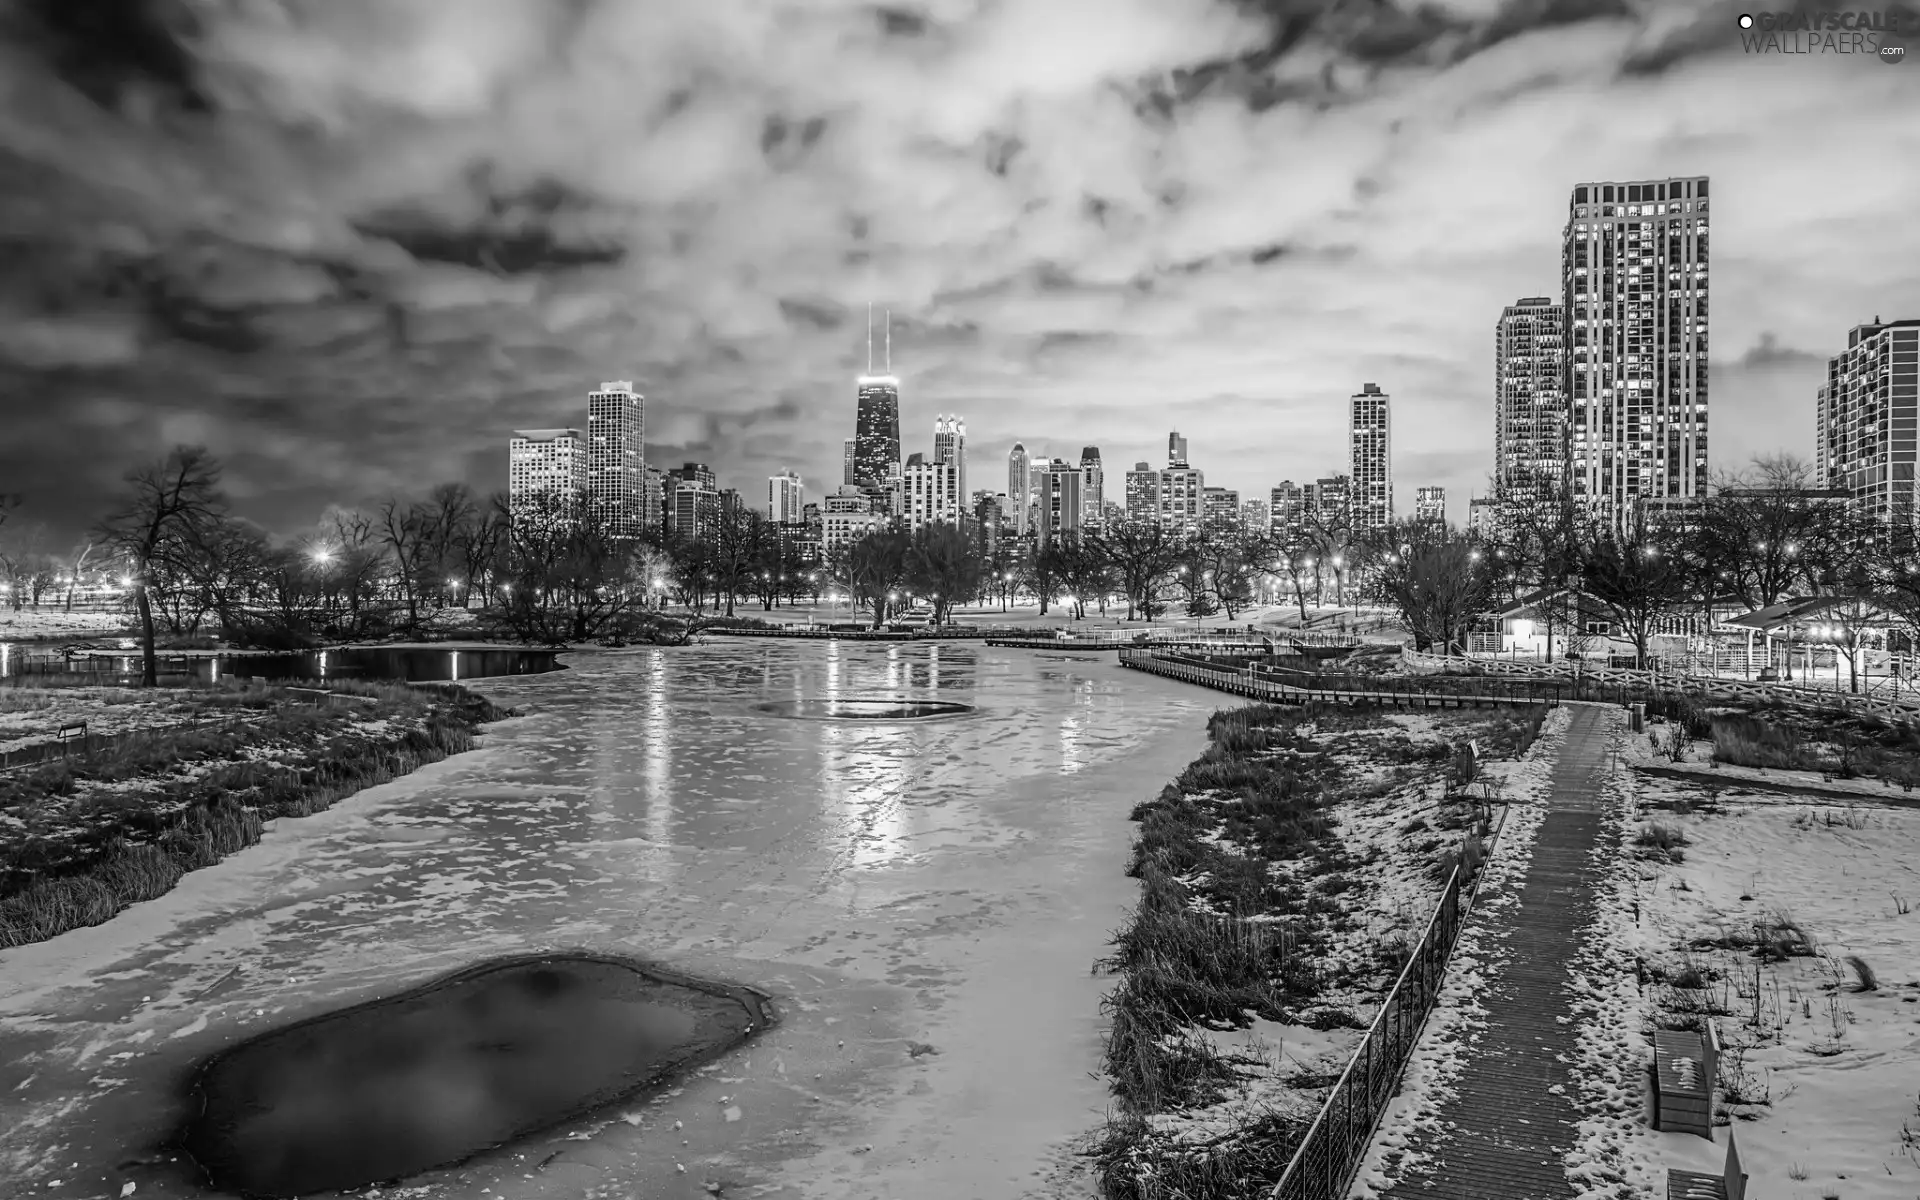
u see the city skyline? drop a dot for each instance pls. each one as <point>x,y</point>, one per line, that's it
<point>370,226</point>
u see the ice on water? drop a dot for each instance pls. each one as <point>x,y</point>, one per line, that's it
<point>894,884</point>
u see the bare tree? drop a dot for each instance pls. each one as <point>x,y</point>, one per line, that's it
<point>1144,555</point>
<point>942,565</point>
<point>1439,580</point>
<point>165,504</point>
<point>1637,575</point>
<point>411,536</point>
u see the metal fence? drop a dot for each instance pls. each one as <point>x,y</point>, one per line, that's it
<point>1324,1163</point>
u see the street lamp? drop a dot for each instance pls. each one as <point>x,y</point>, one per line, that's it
<point>322,557</point>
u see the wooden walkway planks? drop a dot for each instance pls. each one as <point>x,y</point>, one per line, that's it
<point>1505,1133</point>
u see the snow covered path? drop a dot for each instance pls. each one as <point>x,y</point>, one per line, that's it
<point>1506,1127</point>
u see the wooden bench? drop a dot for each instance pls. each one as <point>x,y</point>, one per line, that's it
<point>71,733</point>
<point>1730,1184</point>
<point>1684,1066</point>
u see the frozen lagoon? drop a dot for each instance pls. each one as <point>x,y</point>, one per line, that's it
<point>895,885</point>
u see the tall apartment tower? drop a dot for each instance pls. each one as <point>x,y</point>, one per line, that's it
<point>1143,493</point>
<point>784,500</point>
<point>1865,420</point>
<point>1370,443</point>
<point>1061,506</point>
<point>1093,486</point>
<point>1182,493</point>
<point>546,462</point>
<point>1633,267</point>
<point>930,491</point>
<point>876,427</point>
<point>1530,416</point>
<point>1430,505</point>
<point>1287,512</point>
<point>616,458</point>
<point>1176,451</point>
<point>950,445</point>
<point>846,461</point>
<point>1019,486</point>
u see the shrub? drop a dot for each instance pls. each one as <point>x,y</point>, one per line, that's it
<point>1864,979</point>
<point>1659,835</point>
<point>1747,741</point>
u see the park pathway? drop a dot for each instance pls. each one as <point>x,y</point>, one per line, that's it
<point>1506,1131</point>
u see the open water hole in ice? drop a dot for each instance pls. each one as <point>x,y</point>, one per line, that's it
<point>922,898</point>
<point>389,1089</point>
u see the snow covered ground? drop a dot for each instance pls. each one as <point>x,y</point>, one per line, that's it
<point>1697,759</point>
<point>1436,1061</point>
<point>924,900</point>
<point>1836,1070</point>
<point>29,715</point>
<point>53,622</point>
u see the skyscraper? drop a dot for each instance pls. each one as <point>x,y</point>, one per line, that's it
<point>546,471</point>
<point>1530,401</point>
<point>950,445</point>
<point>1287,512</point>
<point>1430,504</point>
<point>1093,486</point>
<point>1061,505</point>
<point>1219,509</point>
<point>1634,281</point>
<point>784,501</point>
<point>1019,485</point>
<point>876,431</point>
<point>616,458</point>
<point>1176,451</point>
<point>846,464</point>
<point>1370,441</point>
<point>695,500</point>
<point>1865,420</point>
<point>1143,493</point>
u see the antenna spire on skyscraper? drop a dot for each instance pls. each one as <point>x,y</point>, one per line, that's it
<point>869,337</point>
<point>889,320</point>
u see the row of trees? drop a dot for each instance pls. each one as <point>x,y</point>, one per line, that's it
<point>542,575</point>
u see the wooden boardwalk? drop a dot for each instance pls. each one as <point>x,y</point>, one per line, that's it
<point>1505,1133</point>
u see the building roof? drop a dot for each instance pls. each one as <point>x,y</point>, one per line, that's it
<point>1773,616</point>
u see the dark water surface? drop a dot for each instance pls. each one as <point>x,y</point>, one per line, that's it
<point>435,1075</point>
<point>413,665</point>
<point>864,709</point>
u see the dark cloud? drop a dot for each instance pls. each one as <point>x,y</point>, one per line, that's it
<point>106,47</point>
<point>785,142</point>
<point>901,22</point>
<point>1770,353</point>
<point>813,314</point>
<point>515,230</point>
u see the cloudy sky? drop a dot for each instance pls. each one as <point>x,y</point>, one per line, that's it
<point>351,244</point>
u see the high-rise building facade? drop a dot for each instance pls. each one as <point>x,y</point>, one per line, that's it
<point>1143,493</point>
<point>1287,512</point>
<point>1530,416</point>
<point>784,499</point>
<point>1093,487</point>
<point>546,471</point>
<point>1219,509</point>
<point>1019,486</point>
<point>1253,516</point>
<point>1370,444</point>
<point>616,457</point>
<point>930,491</point>
<point>1061,506</point>
<point>695,497</point>
<point>876,436</point>
<point>1182,499</point>
<point>1634,287</point>
<point>950,445</point>
<point>1865,420</point>
<point>1176,450</point>
<point>1329,502</point>
<point>1430,505</point>
<point>847,449</point>
<point>653,511</point>
<point>846,517</point>
<point>1483,516</point>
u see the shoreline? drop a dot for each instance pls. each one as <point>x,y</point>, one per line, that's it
<point>140,852</point>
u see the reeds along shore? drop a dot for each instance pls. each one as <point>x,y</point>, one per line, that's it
<point>1219,936</point>
<point>132,852</point>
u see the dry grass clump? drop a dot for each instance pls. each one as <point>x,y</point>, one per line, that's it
<point>1661,840</point>
<point>1749,741</point>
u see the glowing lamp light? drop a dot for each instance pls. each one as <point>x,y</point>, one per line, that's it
<point>126,581</point>
<point>322,557</point>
